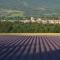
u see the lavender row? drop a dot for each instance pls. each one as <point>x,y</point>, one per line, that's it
<point>29,48</point>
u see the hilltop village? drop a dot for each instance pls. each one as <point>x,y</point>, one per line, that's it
<point>39,20</point>
<point>36,20</point>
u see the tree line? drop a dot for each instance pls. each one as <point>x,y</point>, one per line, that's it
<point>16,27</point>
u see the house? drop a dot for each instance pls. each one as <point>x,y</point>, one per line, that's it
<point>39,20</point>
<point>32,20</point>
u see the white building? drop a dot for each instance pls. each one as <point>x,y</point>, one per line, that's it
<point>24,21</point>
<point>32,20</point>
<point>39,20</point>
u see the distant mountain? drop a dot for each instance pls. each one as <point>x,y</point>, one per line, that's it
<point>30,3</point>
<point>33,7</point>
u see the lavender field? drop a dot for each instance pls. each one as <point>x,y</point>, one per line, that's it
<point>29,47</point>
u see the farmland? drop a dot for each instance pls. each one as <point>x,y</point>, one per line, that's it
<point>13,47</point>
